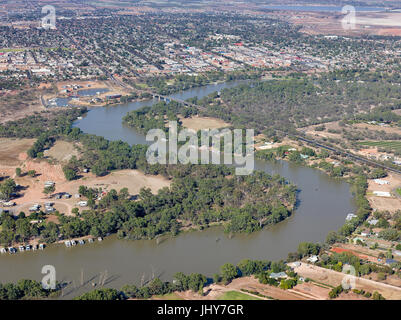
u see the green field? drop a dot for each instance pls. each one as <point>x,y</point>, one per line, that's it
<point>168,296</point>
<point>394,145</point>
<point>235,295</point>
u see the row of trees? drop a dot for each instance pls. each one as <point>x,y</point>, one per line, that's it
<point>194,281</point>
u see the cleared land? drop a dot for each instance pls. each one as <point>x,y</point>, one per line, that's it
<point>134,180</point>
<point>13,155</point>
<point>334,278</point>
<point>11,150</point>
<point>198,123</point>
<point>62,151</point>
<point>385,203</point>
<point>393,145</point>
<point>235,295</point>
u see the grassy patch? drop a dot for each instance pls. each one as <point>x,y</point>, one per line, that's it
<point>394,145</point>
<point>398,190</point>
<point>168,296</point>
<point>235,295</point>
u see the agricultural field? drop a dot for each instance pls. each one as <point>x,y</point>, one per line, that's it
<point>394,145</point>
<point>235,295</point>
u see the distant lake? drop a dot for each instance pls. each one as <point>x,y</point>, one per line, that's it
<point>321,8</point>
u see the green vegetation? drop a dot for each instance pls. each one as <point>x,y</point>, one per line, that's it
<point>172,83</point>
<point>100,294</point>
<point>389,145</point>
<point>199,194</point>
<point>235,295</point>
<point>25,290</point>
<point>308,101</point>
<point>7,188</point>
<point>194,282</point>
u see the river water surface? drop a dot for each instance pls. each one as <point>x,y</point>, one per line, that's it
<point>323,204</point>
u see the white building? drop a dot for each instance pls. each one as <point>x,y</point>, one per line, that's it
<point>382,193</point>
<point>381,182</point>
<point>350,216</point>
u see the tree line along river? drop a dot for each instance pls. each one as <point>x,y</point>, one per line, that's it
<point>323,204</point>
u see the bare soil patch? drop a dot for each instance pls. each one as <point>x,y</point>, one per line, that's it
<point>62,151</point>
<point>198,123</point>
<point>11,150</point>
<point>384,203</point>
<point>377,128</point>
<point>335,278</point>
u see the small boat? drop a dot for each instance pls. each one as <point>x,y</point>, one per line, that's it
<point>12,250</point>
<point>21,248</point>
<point>99,239</point>
<point>28,248</point>
<point>73,243</point>
<point>34,247</point>
<point>3,250</point>
<point>67,243</point>
<point>81,242</point>
<point>90,240</point>
<point>41,246</point>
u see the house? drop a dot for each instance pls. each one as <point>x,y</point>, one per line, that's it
<point>397,253</point>
<point>83,203</point>
<point>382,193</point>
<point>390,261</point>
<point>350,216</point>
<point>9,204</point>
<point>365,233</point>
<point>373,222</point>
<point>355,240</point>
<point>381,182</point>
<point>313,259</point>
<point>278,275</point>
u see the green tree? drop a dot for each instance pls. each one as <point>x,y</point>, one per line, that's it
<point>228,272</point>
<point>7,188</point>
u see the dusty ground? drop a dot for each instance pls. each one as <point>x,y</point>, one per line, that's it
<point>214,291</point>
<point>335,278</point>
<point>11,149</point>
<point>13,155</point>
<point>303,291</point>
<point>310,130</point>
<point>62,151</point>
<point>259,144</point>
<point>372,23</point>
<point>384,203</point>
<point>372,127</point>
<point>93,84</point>
<point>198,123</point>
<point>18,104</point>
<point>134,180</point>
<point>84,84</point>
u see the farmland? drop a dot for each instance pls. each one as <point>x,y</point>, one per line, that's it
<point>393,145</point>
